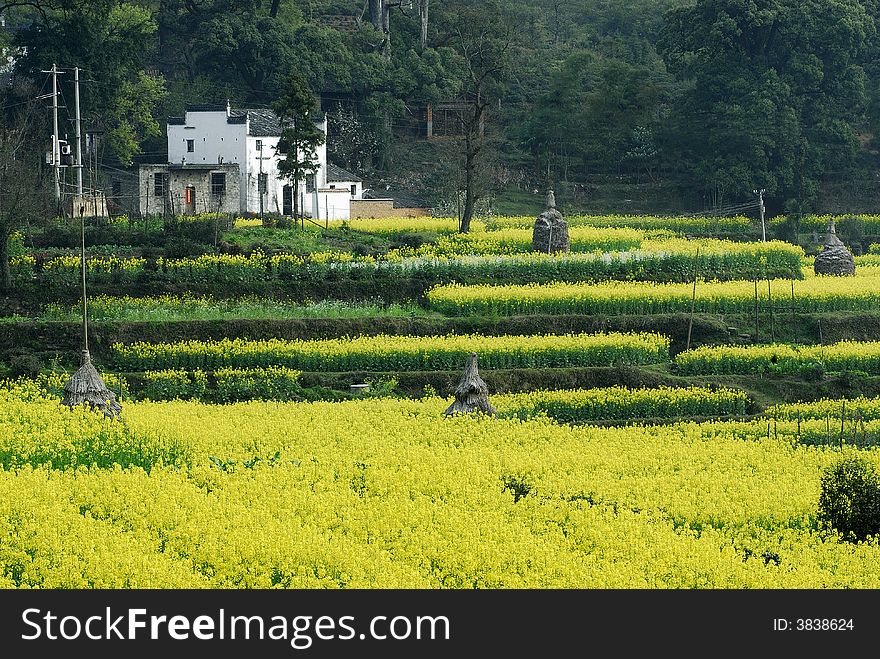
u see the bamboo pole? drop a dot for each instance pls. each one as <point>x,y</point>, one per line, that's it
<point>693,298</point>
<point>755,340</point>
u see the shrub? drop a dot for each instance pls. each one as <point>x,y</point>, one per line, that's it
<point>850,499</point>
<point>178,248</point>
<point>25,365</point>
<point>272,383</point>
<point>198,228</point>
<point>173,384</point>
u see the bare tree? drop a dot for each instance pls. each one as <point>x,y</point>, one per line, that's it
<point>380,17</point>
<point>423,23</point>
<point>24,198</point>
<point>483,47</point>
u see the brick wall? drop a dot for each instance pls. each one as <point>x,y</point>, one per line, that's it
<point>369,208</point>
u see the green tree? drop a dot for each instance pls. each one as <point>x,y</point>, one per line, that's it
<point>111,42</point>
<point>349,143</point>
<point>300,136</point>
<point>775,91</point>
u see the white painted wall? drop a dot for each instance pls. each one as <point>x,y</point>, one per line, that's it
<point>215,139</point>
<point>332,203</point>
<point>270,167</point>
<point>346,185</point>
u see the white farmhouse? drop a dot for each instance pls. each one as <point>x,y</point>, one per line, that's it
<point>210,146</point>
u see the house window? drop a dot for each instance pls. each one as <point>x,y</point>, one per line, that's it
<point>218,183</point>
<point>262,183</point>
<point>310,183</point>
<point>260,145</point>
<point>354,189</point>
<point>160,184</point>
<point>190,146</point>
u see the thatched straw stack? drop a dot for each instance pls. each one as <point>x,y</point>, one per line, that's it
<point>471,394</point>
<point>87,387</point>
<point>550,233</point>
<point>835,258</point>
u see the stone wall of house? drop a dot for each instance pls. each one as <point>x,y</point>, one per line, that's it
<point>199,179</point>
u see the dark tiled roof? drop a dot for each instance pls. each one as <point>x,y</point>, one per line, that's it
<point>336,173</point>
<point>264,123</point>
<point>205,107</point>
<point>201,166</point>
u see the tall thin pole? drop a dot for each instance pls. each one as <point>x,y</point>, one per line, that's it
<point>84,303</point>
<point>260,179</point>
<point>56,146</point>
<point>79,156</point>
<point>760,194</point>
<point>693,299</point>
<point>756,312</point>
<point>94,178</point>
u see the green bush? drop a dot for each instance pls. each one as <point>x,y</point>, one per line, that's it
<point>25,365</point>
<point>850,499</point>
<point>272,383</point>
<point>201,228</point>
<point>174,384</point>
<point>179,248</point>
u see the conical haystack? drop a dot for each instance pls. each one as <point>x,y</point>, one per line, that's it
<point>550,233</point>
<point>835,258</point>
<point>86,387</point>
<point>471,394</point>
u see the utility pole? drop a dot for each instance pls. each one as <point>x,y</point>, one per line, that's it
<point>56,146</point>
<point>260,180</point>
<point>79,157</point>
<point>760,194</point>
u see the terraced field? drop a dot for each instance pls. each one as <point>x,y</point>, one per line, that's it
<point>667,400</point>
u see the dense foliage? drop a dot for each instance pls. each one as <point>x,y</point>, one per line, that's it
<point>716,97</point>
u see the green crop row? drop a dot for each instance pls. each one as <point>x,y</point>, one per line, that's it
<point>468,260</point>
<point>781,358</point>
<point>814,294</point>
<point>399,353</point>
<point>623,404</point>
<point>225,385</point>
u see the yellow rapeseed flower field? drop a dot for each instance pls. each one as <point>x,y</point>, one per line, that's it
<point>389,493</point>
<point>401,353</point>
<point>813,294</point>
